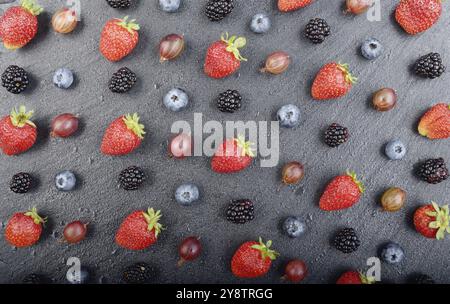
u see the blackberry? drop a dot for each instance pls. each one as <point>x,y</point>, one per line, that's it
<point>15,79</point>
<point>21,183</point>
<point>433,171</point>
<point>119,3</point>
<point>336,135</point>
<point>317,30</point>
<point>346,240</point>
<point>429,66</point>
<point>216,10</point>
<point>122,81</point>
<point>240,211</point>
<point>131,178</point>
<point>139,273</point>
<point>229,101</point>
<point>34,279</point>
<point>422,279</point>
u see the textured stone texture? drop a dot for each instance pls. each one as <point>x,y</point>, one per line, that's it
<point>100,202</point>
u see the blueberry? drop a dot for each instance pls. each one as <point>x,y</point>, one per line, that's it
<point>176,100</point>
<point>392,253</point>
<point>371,49</point>
<point>80,277</point>
<point>395,150</point>
<point>289,116</point>
<point>65,181</point>
<point>260,24</point>
<point>63,78</point>
<point>169,6</point>
<point>187,194</point>
<point>294,227</point>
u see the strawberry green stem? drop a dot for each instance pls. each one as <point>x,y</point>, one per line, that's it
<point>32,7</point>
<point>349,78</point>
<point>22,117</point>
<point>35,216</point>
<point>442,222</point>
<point>354,177</point>
<point>265,250</point>
<point>365,279</point>
<point>246,146</point>
<point>234,43</point>
<point>132,123</point>
<point>152,218</point>
<point>129,25</point>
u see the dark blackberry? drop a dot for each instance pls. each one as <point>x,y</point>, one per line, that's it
<point>433,171</point>
<point>421,279</point>
<point>21,183</point>
<point>346,240</point>
<point>139,273</point>
<point>119,3</point>
<point>429,66</point>
<point>336,135</point>
<point>216,10</point>
<point>317,30</point>
<point>229,101</point>
<point>15,79</point>
<point>240,211</point>
<point>122,81</point>
<point>34,279</point>
<point>131,178</point>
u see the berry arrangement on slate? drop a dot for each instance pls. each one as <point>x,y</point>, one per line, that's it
<point>141,229</point>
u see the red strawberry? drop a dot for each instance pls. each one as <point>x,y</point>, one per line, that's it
<point>432,221</point>
<point>292,5</point>
<point>435,124</point>
<point>17,132</point>
<point>123,135</point>
<point>253,259</point>
<point>233,155</point>
<point>354,277</point>
<point>343,192</point>
<point>333,81</point>
<point>119,38</point>
<point>139,230</point>
<point>416,16</point>
<point>19,24</point>
<point>223,57</point>
<point>24,229</point>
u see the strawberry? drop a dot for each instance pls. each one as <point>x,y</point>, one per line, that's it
<point>435,124</point>
<point>343,192</point>
<point>292,5</point>
<point>233,155</point>
<point>432,221</point>
<point>416,16</point>
<point>24,229</point>
<point>333,81</point>
<point>139,230</point>
<point>223,57</point>
<point>119,38</point>
<point>253,259</point>
<point>19,24</point>
<point>17,132</point>
<point>354,277</point>
<point>123,135</point>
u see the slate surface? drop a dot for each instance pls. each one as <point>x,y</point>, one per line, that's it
<point>100,202</point>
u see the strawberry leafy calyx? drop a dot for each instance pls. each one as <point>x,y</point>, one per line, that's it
<point>132,123</point>
<point>234,43</point>
<point>265,250</point>
<point>129,25</point>
<point>354,177</point>
<point>246,146</point>
<point>37,219</point>
<point>365,279</point>
<point>349,78</point>
<point>442,222</point>
<point>32,7</point>
<point>152,218</point>
<point>22,117</point>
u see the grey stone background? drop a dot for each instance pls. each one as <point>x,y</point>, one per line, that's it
<point>99,201</point>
